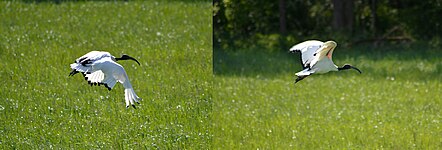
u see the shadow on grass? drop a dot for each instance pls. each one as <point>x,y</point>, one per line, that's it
<point>252,64</point>
<point>409,62</point>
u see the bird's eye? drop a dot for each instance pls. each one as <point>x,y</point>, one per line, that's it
<point>314,54</point>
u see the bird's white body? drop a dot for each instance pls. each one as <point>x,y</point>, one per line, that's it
<point>100,68</point>
<point>315,58</point>
<point>322,66</point>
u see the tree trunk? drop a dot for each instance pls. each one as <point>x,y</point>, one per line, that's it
<point>343,15</point>
<point>373,8</point>
<point>282,24</point>
<point>282,17</point>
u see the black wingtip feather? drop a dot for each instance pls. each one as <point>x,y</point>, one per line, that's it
<point>94,83</point>
<point>108,88</point>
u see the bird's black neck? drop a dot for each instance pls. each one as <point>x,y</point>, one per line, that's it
<point>345,67</point>
<point>117,59</point>
<point>342,68</point>
<point>126,57</point>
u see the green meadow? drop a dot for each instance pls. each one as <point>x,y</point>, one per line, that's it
<point>196,98</point>
<point>42,108</point>
<point>394,104</point>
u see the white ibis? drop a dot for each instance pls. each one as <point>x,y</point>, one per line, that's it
<point>101,68</point>
<point>316,57</point>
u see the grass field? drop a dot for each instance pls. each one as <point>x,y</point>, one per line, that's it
<point>42,108</point>
<point>394,104</point>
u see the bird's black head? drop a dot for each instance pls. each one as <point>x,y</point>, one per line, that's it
<point>347,66</point>
<point>126,57</point>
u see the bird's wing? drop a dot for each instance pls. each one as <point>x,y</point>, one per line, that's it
<point>308,50</point>
<point>113,73</point>
<point>80,68</point>
<point>94,75</point>
<point>99,78</point>
<point>83,64</point>
<point>103,71</point>
<point>91,57</point>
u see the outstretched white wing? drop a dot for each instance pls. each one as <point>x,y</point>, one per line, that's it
<point>104,71</point>
<point>108,72</point>
<point>308,50</point>
<point>91,57</point>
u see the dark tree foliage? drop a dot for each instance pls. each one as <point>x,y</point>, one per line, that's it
<point>60,1</point>
<point>258,23</point>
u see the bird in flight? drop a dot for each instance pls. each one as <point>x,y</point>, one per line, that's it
<point>316,57</point>
<point>101,68</point>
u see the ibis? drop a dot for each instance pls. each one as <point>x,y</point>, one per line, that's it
<point>101,68</point>
<point>316,57</point>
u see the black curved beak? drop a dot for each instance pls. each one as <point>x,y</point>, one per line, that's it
<point>356,69</point>
<point>126,57</point>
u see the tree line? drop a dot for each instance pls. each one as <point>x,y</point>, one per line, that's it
<point>280,24</point>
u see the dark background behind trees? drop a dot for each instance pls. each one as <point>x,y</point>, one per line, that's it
<point>277,25</point>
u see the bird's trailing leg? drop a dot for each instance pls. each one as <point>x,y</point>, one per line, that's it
<point>300,78</point>
<point>73,72</point>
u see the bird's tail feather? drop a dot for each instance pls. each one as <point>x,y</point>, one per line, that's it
<point>131,97</point>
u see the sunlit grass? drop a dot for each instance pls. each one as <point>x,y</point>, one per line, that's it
<point>394,104</point>
<point>41,107</point>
